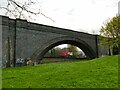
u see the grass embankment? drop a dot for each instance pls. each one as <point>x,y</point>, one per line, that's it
<point>99,73</point>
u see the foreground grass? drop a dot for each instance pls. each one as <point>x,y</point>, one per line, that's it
<point>99,73</point>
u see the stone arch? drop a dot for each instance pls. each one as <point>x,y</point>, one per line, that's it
<point>39,54</point>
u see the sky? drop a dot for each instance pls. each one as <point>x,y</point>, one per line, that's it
<point>79,15</point>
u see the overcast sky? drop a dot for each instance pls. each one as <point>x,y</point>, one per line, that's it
<point>78,15</point>
<point>87,15</point>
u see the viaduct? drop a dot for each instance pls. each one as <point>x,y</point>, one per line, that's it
<point>22,39</point>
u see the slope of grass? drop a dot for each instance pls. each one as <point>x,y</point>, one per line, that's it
<point>98,73</point>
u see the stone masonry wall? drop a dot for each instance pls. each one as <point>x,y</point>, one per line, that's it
<point>21,39</point>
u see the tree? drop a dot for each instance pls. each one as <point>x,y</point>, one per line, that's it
<point>73,49</point>
<point>110,33</point>
<point>54,52</point>
<point>23,9</point>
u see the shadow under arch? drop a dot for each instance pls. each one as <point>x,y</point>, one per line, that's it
<point>39,54</point>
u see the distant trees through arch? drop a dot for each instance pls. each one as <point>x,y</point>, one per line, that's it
<point>65,51</point>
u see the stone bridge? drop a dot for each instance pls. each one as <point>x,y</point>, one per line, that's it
<point>22,39</point>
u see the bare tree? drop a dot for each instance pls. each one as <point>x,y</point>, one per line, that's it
<point>23,9</point>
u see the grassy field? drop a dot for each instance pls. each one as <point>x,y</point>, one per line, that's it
<point>98,73</point>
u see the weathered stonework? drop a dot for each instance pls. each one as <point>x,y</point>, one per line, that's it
<point>32,40</point>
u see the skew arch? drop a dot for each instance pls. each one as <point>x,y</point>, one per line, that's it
<point>39,54</point>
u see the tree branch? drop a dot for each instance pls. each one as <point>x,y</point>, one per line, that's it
<point>20,8</point>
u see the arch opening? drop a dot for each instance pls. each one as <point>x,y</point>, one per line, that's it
<point>39,54</point>
<point>65,50</point>
<point>63,53</point>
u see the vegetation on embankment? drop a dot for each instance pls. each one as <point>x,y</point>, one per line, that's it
<point>97,73</point>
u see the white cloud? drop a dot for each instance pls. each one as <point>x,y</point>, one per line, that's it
<point>79,14</point>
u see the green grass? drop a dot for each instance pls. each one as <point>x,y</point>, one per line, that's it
<point>98,73</point>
